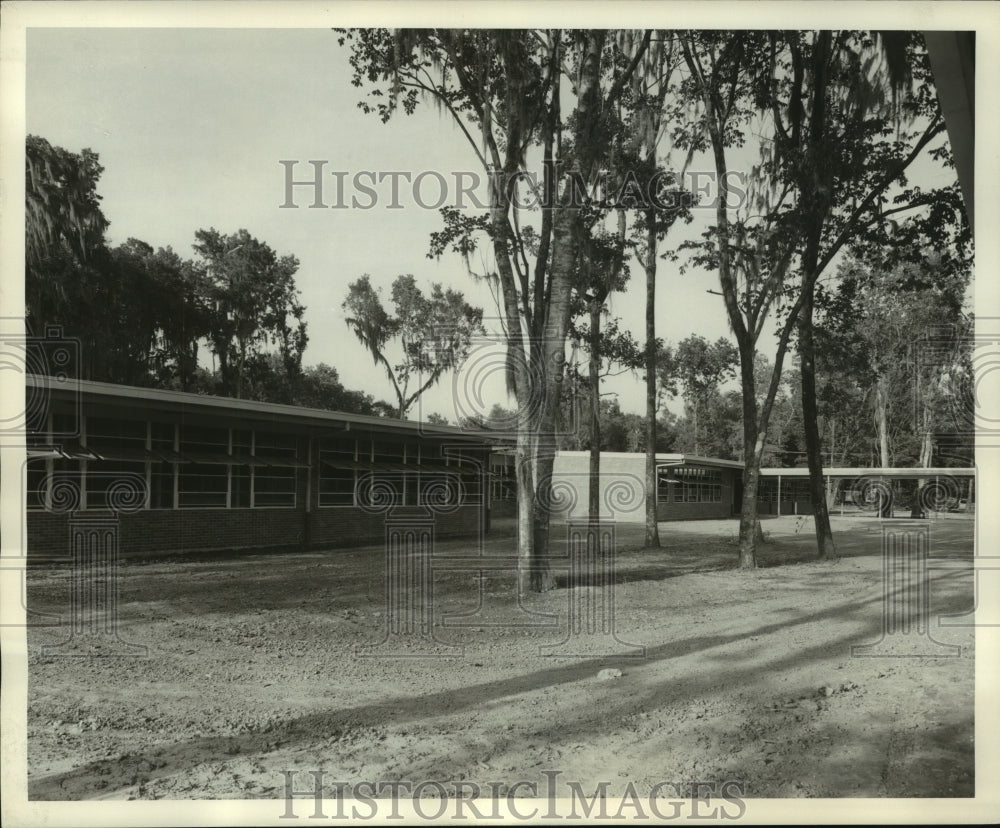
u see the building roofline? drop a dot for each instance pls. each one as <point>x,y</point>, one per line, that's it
<point>833,471</point>
<point>672,459</point>
<point>698,460</point>
<point>207,403</point>
<point>839,471</point>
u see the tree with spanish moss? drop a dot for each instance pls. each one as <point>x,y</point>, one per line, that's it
<point>505,91</point>
<point>434,333</point>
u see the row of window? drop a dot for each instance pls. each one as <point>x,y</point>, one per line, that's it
<point>219,486</point>
<point>177,466</point>
<point>689,485</point>
<point>693,474</point>
<point>697,493</point>
<point>341,487</point>
<point>790,490</point>
<point>357,470</point>
<point>161,485</point>
<point>675,485</point>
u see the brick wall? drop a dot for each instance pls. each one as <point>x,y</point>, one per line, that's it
<point>345,526</point>
<point>197,530</point>
<point>697,511</point>
<point>188,530</point>
<point>503,508</point>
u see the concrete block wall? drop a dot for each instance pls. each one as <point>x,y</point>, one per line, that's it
<point>626,473</point>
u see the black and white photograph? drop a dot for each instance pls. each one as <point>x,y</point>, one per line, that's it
<point>533,413</point>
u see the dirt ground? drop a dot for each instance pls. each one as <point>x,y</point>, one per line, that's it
<point>253,669</point>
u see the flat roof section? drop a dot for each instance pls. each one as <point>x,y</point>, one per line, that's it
<point>131,397</point>
<point>908,473</point>
<point>662,459</point>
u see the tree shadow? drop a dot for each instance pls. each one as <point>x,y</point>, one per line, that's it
<point>404,708</point>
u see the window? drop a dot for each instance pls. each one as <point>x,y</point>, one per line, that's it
<point>274,483</point>
<point>502,483</point>
<point>275,448</point>
<point>678,491</point>
<point>274,486</point>
<point>471,477</point>
<point>439,489</point>
<point>389,451</point>
<point>120,447</point>
<point>34,491</point>
<point>117,439</point>
<point>387,457</point>
<point>66,486</point>
<point>241,476</point>
<point>162,472</point>
<point>410,484</point>
<point>337,463</point>
<point>40,452</point>
<point>663,485</point>
<point>103,475</point>
<point>204,482</point>
<point>336,487</point>
<point>340,448</point>
<point>690,485</point>
<point>392,464</point>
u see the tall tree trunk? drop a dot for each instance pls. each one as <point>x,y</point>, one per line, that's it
<point>567,231</point>
<point>525,509</point>
<point>927,439</point>
<point>882,433</point>
<point>815,184</point>
<point>242,369</point>
<point>697,447</point>
<point>652,483</point>
<point>521,381</point>
<point>810,422</point>
<point>550,373</point>
<point>882,420</point>
<point>594,384</point>
<point>749,522</point>
<point>926,456</point>
<point>750,531</point>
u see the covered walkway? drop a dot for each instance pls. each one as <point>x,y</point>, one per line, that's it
<point>942,489</point>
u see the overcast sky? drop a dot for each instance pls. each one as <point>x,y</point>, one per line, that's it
<point>191,124</point>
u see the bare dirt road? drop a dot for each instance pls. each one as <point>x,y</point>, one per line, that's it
<point>253,669</point>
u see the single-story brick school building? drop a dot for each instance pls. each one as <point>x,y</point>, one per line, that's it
<point>190,472</point>
<point>183,472</point>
